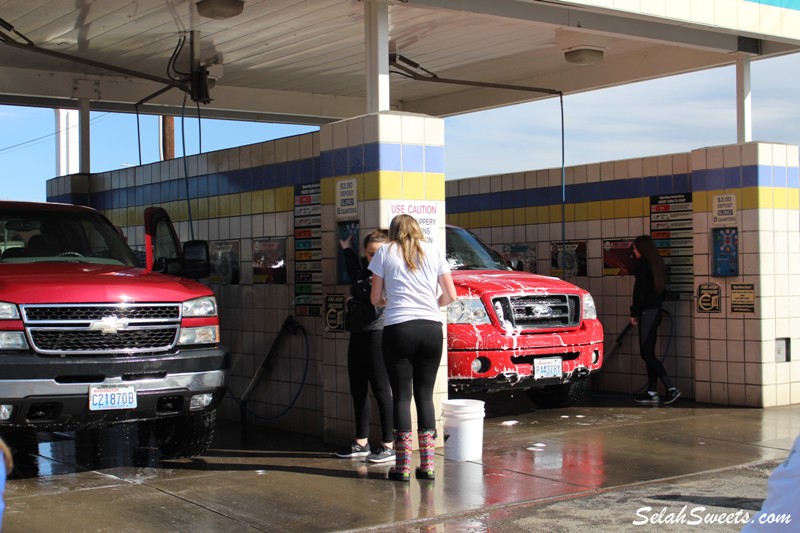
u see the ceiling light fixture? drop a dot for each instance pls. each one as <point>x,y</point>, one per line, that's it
<point>583,56</point>
<point>219,9</point>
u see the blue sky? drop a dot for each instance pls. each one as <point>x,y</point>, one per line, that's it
<point>662,116</point>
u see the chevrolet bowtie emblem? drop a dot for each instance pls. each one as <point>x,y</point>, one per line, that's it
<point>109,324</point>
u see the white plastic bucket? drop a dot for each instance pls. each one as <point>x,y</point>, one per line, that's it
<point>463,429</point>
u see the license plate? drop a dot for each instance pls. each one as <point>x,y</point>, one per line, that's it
<point>111,397</point>
<point>547,367</point>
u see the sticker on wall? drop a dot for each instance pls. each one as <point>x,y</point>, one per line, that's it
<point>521,256</point>
<point>568,259</point>
<point>269,261</point>
<point>347,237</point>
<point>224,262</point>
<point>708,298</point>
<point>429,215</point>
<point>671,229</point>
<point>346,199</point>
<point>723,210</point>
<point>308,299</point>
<point>618,257</point>
<point>334,312</point>
<point>725,252</point>
<point>743,298</point>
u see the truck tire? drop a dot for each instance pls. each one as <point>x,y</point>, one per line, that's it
<point>554,396</point>
<point>184,436</point>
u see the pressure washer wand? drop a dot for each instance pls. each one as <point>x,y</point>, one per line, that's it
<point>618,341</point>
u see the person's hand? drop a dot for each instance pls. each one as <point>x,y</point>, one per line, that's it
<point>346,243</point>
<point>634,322</point>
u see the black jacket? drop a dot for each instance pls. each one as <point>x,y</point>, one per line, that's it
<point>644,291</point>
<point>360,275</point>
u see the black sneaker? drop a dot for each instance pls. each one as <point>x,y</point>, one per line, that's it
<point>672,395</point>
<point>647,398</point>
<point>381,455</point>
<point>353,451</point>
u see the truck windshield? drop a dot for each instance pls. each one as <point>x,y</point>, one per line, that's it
<point>33,236</point>
<point>465,251</point>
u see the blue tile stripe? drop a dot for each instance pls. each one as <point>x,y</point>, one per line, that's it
<point>786,4</point>
<point>310,170</point>
<point>272,176</point>
<point>373,157</point>
<point>698,181</point>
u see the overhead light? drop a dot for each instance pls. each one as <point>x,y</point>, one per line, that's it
<point>583,56</point>
<point>219,9</point>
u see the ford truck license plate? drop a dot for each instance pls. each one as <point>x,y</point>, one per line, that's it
<point>111,397</point>
<point>547,367</point>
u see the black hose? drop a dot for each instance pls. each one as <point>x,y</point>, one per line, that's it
<point>618,343</point>
<point>290,325</point>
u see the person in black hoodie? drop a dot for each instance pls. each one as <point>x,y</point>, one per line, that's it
<point>649,288</point>
<point>365,364</point>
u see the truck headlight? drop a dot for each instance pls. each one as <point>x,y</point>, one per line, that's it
<point>8,311</point>
<point>467,311</point>
<point>589,310</point>
<point>13,340</point>
<point>199,335</point>
<point>206,306</point>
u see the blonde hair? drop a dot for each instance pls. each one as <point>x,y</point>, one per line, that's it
<point>405,231</point>
<point>6,453</point>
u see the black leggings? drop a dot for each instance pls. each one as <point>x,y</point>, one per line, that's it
<point>365,367</point>
<point>648,334</point>
<point>413,351</point>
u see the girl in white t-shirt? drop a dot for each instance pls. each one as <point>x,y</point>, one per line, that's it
<point>407,274</point>
<point>5,469</point>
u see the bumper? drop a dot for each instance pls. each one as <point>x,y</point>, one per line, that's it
<point>53,394</point>
<point>510,369</point>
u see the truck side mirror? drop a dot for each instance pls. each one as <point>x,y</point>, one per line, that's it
<point>196,261</point>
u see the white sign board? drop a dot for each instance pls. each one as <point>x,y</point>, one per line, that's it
<point>723,210</point>
<point>429,215</point>
<point>347,199</point>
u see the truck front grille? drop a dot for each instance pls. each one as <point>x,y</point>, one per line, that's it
<point>99,329</point>
<point>539,311</point>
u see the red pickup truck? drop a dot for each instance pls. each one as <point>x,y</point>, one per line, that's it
<point>511,329</point>
<point>90,336</point>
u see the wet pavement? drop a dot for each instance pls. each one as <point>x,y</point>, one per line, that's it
<point>604,464</point>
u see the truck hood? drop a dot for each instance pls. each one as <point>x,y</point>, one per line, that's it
<point>479,282</point>
<point>56,282</point>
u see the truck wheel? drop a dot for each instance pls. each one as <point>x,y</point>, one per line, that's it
<point>558,395</point>
<point>185,436</point>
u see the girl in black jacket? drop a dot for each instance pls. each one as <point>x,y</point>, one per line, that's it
<point>365,364</point>
<point>649,288</point>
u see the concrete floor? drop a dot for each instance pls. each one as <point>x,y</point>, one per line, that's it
<point>595,465</point>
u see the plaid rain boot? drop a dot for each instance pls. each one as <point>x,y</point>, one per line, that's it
<point>401,471</point>
<point>427,443</point>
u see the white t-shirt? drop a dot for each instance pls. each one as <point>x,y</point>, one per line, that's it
<point>780,512</point>
<point>410,294</point>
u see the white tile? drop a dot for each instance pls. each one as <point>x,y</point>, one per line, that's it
<point>355,131</point>
<point>635,168</point>
<point>371,129</point>
<point>731,156</point>
<point>749,153</point>
<point>699,158</point>
<point>434,131</point>
<point>715,157</point>
<point>413,129</point>
<point>339,139</point>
